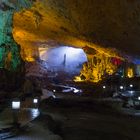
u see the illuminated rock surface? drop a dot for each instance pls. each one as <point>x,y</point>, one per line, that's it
<point>104,26</point>
<point>10,59</point>
<point>9,49</point>
<point>79,23</point>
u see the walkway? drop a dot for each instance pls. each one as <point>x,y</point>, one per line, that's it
<point>26,114</point>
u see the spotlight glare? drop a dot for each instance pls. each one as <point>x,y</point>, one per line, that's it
<point>121,87</point>
<point>131,85</point>
<point>15,104</point>
<point>35,101</point>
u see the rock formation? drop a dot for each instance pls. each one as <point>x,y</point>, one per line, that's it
<point>10,59</point>
<point>110,27</point>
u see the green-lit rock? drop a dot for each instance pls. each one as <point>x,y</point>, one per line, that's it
<point>9,49</point>
<point>11,66</point>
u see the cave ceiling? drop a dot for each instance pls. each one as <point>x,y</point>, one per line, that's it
<point>105,25</point>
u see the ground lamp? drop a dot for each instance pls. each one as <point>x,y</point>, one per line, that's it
<point>54,90</point>
<point>104,89</point>
<point>35,101</point>
<point>15,108</point>
<point>121,87</point>
<point>131,85</point>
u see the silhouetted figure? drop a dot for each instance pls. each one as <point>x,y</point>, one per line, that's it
<point>64,62</point>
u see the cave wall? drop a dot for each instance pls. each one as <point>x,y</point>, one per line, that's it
<point>9,49</point>
<point>96,23</point>
<point>109,27</point>
<point>11,64</point>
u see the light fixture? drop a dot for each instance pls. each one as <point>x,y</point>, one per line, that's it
<point>104,87</point>
<point>16,104</point>
<point>15,107</point>
<point>121,87</point>
<point>35,100</point>
<point>131,85</point>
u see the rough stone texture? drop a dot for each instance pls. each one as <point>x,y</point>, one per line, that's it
<point>11,65</point>
<point>106,23</point>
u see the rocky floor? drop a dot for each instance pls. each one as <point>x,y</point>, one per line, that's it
<point>80,122</point>
<point>80,119</point>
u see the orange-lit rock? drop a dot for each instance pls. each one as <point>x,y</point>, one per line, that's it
<point>62,22</point>
<point>98,24</point>
<point>106,23</point>
<point>130,72</point>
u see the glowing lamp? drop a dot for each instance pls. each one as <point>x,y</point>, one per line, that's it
<point>138,98</point>
<point>15,107</point>
<point>121,87</point>
<point>104,87</point>
<point>35,101</point>
<point>131,85</point>
<point>16,104</point>
<point>54,90</point>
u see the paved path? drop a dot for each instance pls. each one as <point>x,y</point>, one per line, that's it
<point>26,114</point>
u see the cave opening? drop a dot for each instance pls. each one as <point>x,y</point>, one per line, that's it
<point>64,58</point>
<point>57,64</point>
